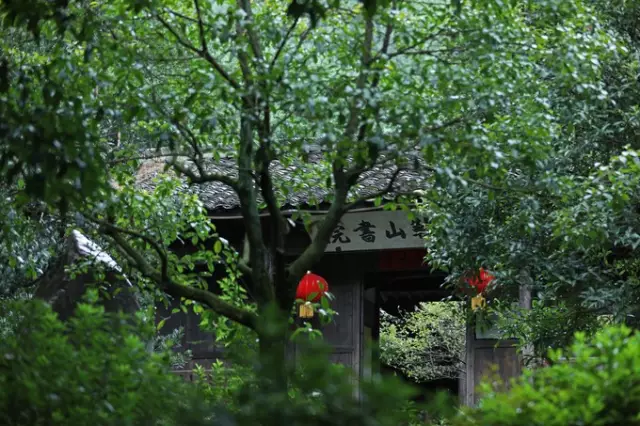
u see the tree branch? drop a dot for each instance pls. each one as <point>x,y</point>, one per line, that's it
<point>147,157</point>
<point>316,249</point>
<point>234,313</point>
<point>279,227</point>
<point>203,53</point>
<point>343,180</point>
<point>245,5</point>
<point>249,209</point>
<point>500,188</point>
<point>488,185</point>
<point>246,190</point>
<point>204,177</point>
<point>354,111</point>
<point>386,42</point>
<point>197,157</point>
<point>386,55</point>
<point>268,193</point>
<point>449,123</point>
<point>382,192</point>
<point>186,17</point>
<point>218,305</point>
<point>244,268</point>
<point>282,44</point>
<point>430,52</point>
<point>301,40</point>
<point>164,261</point>
<point>413,133</point>
<point>264,154</point>
<point>203,39</point>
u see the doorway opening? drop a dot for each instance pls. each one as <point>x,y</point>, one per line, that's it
<point>415,330</point>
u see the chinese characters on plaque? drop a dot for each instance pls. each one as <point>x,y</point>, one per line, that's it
<point>377,230</point>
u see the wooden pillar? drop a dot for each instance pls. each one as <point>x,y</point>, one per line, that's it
<point>468,387</point>
<point>525,302</point>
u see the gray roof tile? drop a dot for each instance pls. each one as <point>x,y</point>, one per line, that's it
<point>293,192</point>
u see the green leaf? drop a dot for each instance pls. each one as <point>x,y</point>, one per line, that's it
<point>160,324</point>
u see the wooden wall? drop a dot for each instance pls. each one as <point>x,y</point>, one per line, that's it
<point>486,357</point>
<point>201,343</point>
<point>346,274</point>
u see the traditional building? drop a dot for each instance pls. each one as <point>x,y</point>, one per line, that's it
<point>374,261</point>
<point>63,287</point>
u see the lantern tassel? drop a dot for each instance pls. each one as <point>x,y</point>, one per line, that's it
<point>478,302</point>
<point>305,310</point>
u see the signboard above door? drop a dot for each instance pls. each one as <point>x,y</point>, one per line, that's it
<point>375,230</point>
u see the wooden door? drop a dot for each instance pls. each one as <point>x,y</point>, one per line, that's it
<point>345,334</point>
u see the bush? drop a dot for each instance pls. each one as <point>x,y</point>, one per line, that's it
<point>98,369</point>
<point>321,393</point>
<point>596,382</point>
<point>95,369</point>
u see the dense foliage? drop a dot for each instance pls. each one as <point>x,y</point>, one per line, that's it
<point>443,89</point>
<point>592,383</point>
<point>521,116</point>
<point>568,229</point>
<point>425,344</point>
<point>31,239</point>
<point>321,394</point>
<point>96,369</point>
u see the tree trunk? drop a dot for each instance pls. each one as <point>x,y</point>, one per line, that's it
<point>273,333</point>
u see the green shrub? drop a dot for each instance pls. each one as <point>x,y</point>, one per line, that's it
<point>95,369</point>
<point>321,393</point>
<point>596,382</point>
<point>98,369</point>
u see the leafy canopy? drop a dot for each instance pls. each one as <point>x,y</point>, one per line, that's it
<point>567,228</point>
<point>460,93</point>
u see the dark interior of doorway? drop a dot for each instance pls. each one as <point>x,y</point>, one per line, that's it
<point>396,291</point>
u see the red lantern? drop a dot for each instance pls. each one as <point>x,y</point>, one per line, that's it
<point>480,283</point>
<point>310,289</point>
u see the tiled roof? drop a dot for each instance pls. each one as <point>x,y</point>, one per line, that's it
<point>293,190</point>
